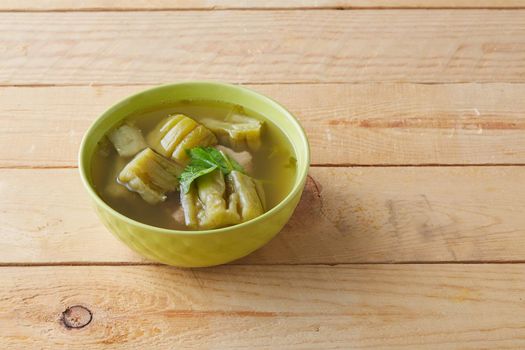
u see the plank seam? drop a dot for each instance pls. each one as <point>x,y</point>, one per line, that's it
<point>305,8</point>
<point>245,83</point>
<point>325,264</point>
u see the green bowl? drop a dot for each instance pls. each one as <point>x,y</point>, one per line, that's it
<point>197,248</point>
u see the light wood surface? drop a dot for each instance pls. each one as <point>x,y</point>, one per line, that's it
<point>271,307</point>
<point>263,46</point>
<point>410,231</point>
<point>357,124</point>
<point>130,5</point>
<point>347,215</point>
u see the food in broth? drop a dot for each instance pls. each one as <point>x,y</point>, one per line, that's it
<point>194,165</point>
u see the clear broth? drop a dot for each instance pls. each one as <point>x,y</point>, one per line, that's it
<point>274,164</point>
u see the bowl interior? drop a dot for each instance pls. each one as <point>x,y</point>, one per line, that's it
<point>168,94</point>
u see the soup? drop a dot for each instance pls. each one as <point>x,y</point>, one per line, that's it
<point>194,165</point>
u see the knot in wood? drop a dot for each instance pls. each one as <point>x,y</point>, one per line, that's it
<point>76,316</point>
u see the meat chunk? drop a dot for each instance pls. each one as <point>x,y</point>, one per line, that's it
<point>244,158</point>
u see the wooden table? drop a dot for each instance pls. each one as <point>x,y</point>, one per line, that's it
<point>411,230</point>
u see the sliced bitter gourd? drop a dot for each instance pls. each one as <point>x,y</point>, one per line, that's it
<point>151,176</point>
<point>200,136</point>
<point>128,140</point>
<point>205,206</point>
<point>178,133</point>
<point>236,130</point>
<point>191,206</point>
<point>249,194</point>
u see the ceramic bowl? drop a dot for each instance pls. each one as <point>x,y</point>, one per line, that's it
<point>197,248</point>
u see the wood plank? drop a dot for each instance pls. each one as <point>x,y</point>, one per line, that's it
<point>364,124</point>
<point>263,46</point>
<point>129,5</point>
<point>347,215</point>
<point>270,307</point>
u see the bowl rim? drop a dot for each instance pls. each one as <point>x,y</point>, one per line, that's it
<point>298,185</point>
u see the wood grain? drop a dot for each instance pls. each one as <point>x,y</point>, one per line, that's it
<point>363,124</point>
<point>302,307</point>
<point>129,5</point>
<point>380,85</point>
<point>346,215</point>
<point>263,46</point>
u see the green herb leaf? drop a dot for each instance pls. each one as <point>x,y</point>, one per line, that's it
<point>206,157</point>
<point>203,161</point>
<point>192,172</point>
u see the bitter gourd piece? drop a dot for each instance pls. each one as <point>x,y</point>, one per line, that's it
<point>236,130</point>
<point>178,133</point>
<point>151,176</point>
<point>128,140</point>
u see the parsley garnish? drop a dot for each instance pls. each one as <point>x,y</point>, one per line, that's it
<point>203,161</point>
